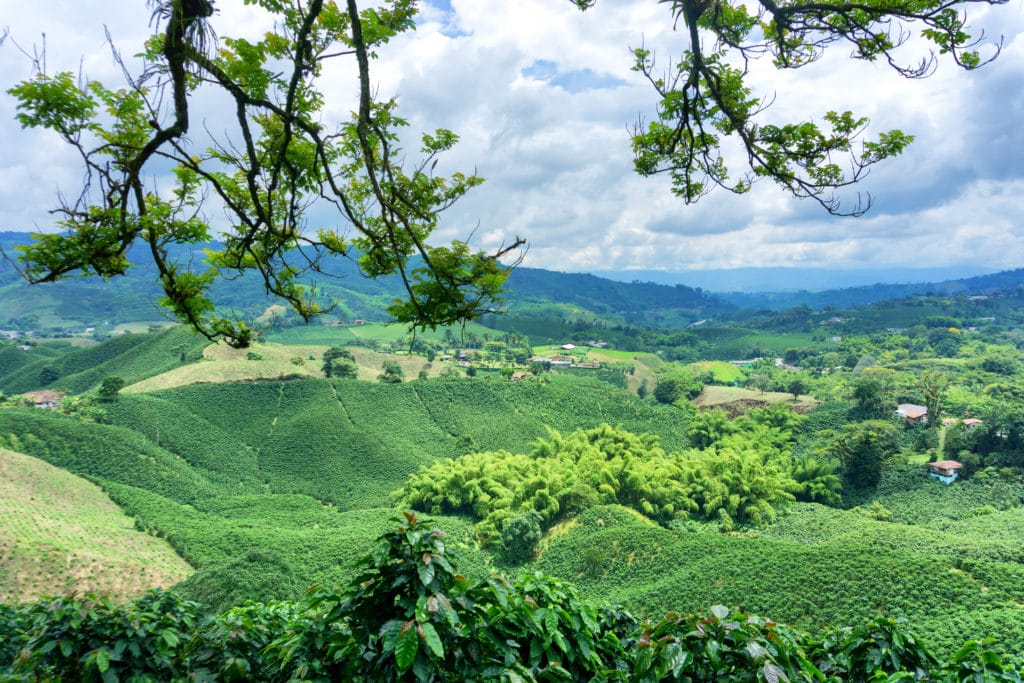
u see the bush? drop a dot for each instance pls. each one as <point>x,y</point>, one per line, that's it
<point>521,535</point>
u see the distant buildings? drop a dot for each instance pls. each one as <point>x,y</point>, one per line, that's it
<point>46,398</point>
<point>912,413</point>
<point>945,471</point>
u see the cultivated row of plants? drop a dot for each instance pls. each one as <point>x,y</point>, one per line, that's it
<point>410,615</point>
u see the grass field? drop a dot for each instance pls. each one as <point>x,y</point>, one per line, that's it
<point>714,396</point>
<point>221,363</point>
<point>336,336</point>
<point>60,533</point>
<point>724,373</point>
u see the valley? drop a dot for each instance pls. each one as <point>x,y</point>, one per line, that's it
<point>753,461</point>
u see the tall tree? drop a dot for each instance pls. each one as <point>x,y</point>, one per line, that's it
<point>933,384</point>
<point>391,373</point>
<point>280,160</point>
<point>283,158</point>
<point>333,356</point>
<point>861,449</point>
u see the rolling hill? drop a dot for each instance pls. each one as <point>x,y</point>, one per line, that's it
<point>266,487</point>
<point>61,533</point>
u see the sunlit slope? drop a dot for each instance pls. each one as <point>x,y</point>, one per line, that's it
<point>61,533</point>
<point>351,443</point>
<point>132,357</point>
<point>221,363</point>
<point>816,567</point>
<point>246,541</point>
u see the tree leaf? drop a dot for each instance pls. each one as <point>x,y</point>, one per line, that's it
<point>406,646</point>
<point>774,674</point>
<point>433,641</point>
<point>102,660</point>
<point>426,573</point>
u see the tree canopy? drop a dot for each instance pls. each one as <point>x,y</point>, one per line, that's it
<point>298,188</point>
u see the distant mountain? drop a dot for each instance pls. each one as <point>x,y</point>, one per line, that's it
<point>533,292</point>
<point>530,293</point>
<point>631,300</point>
<point>863,296</point>
<point>792,279</point>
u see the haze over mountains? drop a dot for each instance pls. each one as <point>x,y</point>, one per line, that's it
<point>794,278</point>
<point>658,298</point>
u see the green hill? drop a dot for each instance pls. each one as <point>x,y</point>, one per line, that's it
<point>266,487</point>
<point>61,533</point>
<point>287,482</point>
<point>133,357</point>
<point>814,567</point>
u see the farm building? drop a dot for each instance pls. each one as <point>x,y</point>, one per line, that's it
<point>912,413</point>
<point>45,399</point>
<point>945,471</point>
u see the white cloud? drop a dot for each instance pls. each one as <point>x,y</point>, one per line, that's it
<point>543,97</point>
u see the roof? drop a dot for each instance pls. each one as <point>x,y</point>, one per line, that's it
<point>44,396</point>
<point>946,465</point>
<point>911,410</point>
<point>972,421</point>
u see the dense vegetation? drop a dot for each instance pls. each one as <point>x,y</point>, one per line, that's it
<point>742,478</point>
<point>133,357</point>
<point>638,498</point>
<point>410,615</point>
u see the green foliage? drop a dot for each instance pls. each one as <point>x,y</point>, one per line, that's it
<point>870,393</point>
<point>392,373</point>
<point>101,452</point>
<point>92,639</point>
<point>133,357</point>
<point>792,568</point>
<point>933,384</point>
<point>796,387</point>
<point>677,385</point>
<point>289,160</point>
<point>704,98</point>
<point>109,387</point>
<point>735,481</point>
<point>521,536</point>
<point>338,362</point>
<point>410,615</point>
<point>861,449</point>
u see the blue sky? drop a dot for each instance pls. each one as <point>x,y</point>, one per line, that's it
<point>543,98</point>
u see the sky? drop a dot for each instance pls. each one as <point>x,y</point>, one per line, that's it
<point>543,99</point>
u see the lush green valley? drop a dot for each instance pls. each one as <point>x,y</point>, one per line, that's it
<point>639,465</point>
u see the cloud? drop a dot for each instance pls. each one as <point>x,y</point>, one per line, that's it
<point>544,98</point>
<point>576,81</point>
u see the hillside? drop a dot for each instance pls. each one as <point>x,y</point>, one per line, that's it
<point>61,533</point>
<point>267,487</point>
<point>133,357</point>
<point>89,302</point>
<point>285,483</point>
<point>815,566</point>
